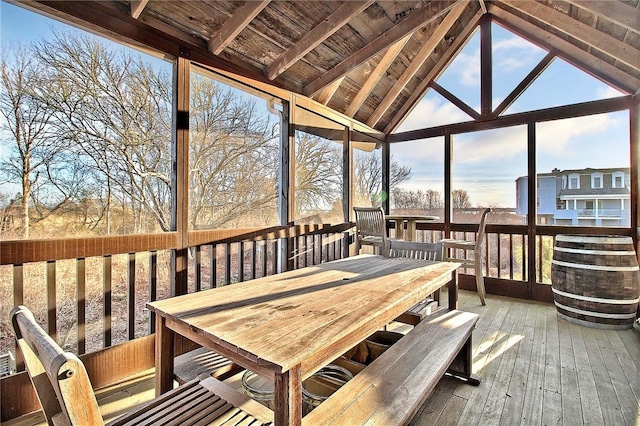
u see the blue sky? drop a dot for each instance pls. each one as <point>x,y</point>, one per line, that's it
<point>486,164</point>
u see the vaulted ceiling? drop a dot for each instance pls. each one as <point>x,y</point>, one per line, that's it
<point>370,60</point>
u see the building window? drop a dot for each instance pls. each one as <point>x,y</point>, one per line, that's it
<point>596,180</point>
<point>618,180</point>
<point>573,183</point>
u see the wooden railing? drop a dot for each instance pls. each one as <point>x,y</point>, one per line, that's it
<point>91,292</point>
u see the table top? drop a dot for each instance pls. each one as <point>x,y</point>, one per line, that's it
<point>308,316</point>
<point>411,217</point>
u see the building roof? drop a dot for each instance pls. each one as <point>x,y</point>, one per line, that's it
<point>371,60</point>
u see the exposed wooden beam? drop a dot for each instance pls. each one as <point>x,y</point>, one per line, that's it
<point>416,19</point>
<point>317,35</point>
<point>136,7</point>
<point>417,62</point>
<point>442,63</point>
<point>327,93</point>
<point>613,47</point>
<point>376,75</point>
<point>525,83</point>
<point>579,58</point>
<point>614,11</point>
<point>486,67</point>
<point>455,100</point>
<point>483,6</point>
<point>235,24</point>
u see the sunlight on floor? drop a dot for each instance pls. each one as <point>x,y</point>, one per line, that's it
<point>492,347</point>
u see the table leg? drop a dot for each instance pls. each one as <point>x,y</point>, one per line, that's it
<point>452,288</point>
<point>288,398</point>
<point>164,356</point>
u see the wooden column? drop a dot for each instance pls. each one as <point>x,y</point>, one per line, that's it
<point>486,78</point>
<point>180,184</point>
<point>386,176</point>
<point>531,208</point>
<point>347,173</point>
<point>448,166</point>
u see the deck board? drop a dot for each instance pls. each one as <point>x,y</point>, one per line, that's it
<point>588,375</point>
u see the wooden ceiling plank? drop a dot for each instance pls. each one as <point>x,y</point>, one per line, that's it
<point>408,25</point>
<point>455,100</point>
<point>327,93</point>
<point>136,7</point>
<point>317,35</point>
<point>597,39</point>
<point>590,64</point>
<point>376,75</point>
<point>442,63</point>
<point>234,25</point>
<point>417,62</point>
<point>617,12</point>
<point>525,83</point>
<point>483,6</point>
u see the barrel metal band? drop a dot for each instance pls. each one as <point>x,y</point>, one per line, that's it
<point>595,299</point>
<point>595,314</point>
<point>596,252</point>
<point>596,267</point>
<point>594,240</point>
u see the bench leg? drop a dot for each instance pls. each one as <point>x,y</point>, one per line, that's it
<point>465,359</point>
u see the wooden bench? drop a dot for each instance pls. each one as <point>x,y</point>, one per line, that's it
<point>392,389</point>
<point>66,395</point>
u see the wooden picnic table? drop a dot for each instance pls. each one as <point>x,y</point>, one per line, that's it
<point>286,326</point>
<point>411,224</point>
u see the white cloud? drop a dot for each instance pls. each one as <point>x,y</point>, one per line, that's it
<point>501,144</point>
<point>555,137</point>
<point>608,92</point>
<point>430,112</point>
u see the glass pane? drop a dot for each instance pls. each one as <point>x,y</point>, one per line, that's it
<point>367,171</point>
<point>92,153</point>
<point>485,166</point>
<point>513,59</point>
<point>417,183</point>
<point>581,180</point>
<point>433,110</point>
<point>462,76</point>
<point>318,169</point>
<point>233,157</point>
<point>561,84</point>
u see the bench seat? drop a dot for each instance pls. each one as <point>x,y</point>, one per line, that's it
<point>392,389</point>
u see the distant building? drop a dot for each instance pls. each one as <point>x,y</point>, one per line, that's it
<point>585,197</point>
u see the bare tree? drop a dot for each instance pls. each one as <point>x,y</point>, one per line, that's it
<point>460,199</point>
<point>47,174</point>
<point>367,175</point>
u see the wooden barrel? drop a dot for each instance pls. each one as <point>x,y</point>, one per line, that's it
<point>595,280</point>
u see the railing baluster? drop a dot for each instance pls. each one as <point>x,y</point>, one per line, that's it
<point>52,315</point>
<point>252,262</point>
<point>131,296</point>
<point>227,265</point>
<point>241,261</point>
<point>198,267</point>
<point>525,248</point>
<point>213,265</point>
<point>153,287</point>
<point>511,256</point>
<point>106,294</point>
<point>81,278</point>
<point>18,299</point>
<point>499,254</point>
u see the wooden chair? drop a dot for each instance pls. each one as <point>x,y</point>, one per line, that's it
<point>422,251</point>
<point>466,246</point>
<point>371,228</point>
<point>66,395</point>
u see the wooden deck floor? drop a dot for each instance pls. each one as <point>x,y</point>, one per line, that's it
<point>535,370</point>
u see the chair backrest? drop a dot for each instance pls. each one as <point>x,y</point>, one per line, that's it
<point>370,222</point>
<point>481,227</point>
<point>413,250</point>
<point>59,378</point>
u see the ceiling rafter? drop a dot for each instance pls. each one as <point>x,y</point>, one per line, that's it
<point>617,12</point>
<point>603,42</point>
<point>581,59</point>
<point>136,7</point>
<point>442,63</point>
<point>326,94</point>
<point>317,35</point>
<point>376,75</point>
<point>235,24</point>
<point>426,50</point>
<point>415,20</point>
